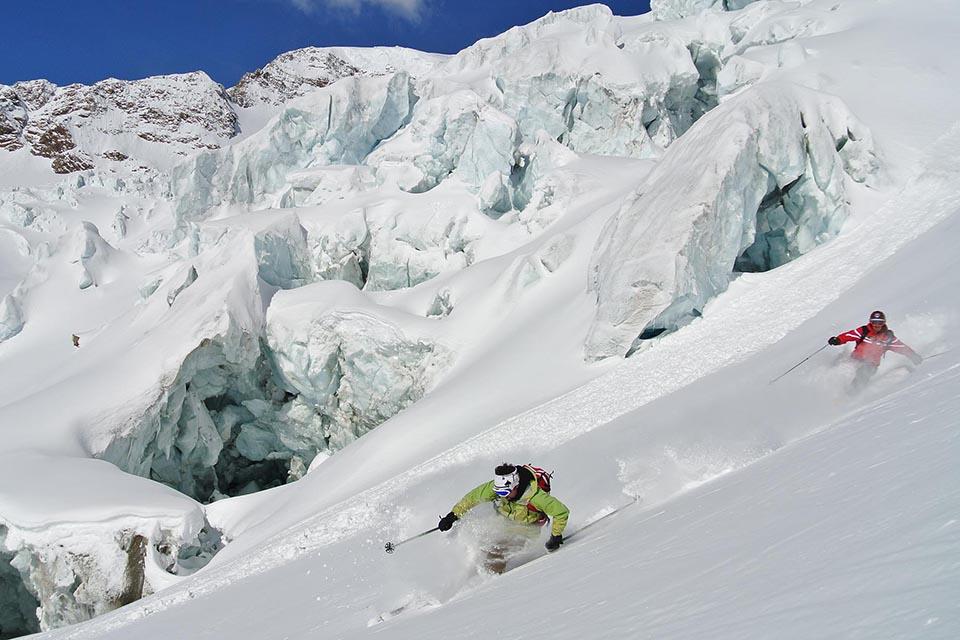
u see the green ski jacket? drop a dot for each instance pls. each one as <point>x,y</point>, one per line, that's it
<point>533,507</point>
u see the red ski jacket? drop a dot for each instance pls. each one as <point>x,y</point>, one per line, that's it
<point>871,344</point>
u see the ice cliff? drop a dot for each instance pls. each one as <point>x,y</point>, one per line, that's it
<point>73,554</point>
<point>676,9</point>
<point>778,159</point>
<point>354,365</point>
<point>339,124</point>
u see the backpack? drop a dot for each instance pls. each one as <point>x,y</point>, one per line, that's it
<point>543,477</point>
<point>543,483</point>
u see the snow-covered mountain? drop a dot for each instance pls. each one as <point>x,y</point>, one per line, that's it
<point>254,333</point>
<point>299,72</point>
<point>156,120</point>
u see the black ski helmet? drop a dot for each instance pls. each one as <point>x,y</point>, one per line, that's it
<point>878,317</point>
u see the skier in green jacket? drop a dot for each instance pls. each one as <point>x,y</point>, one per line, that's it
<point>521,494</point>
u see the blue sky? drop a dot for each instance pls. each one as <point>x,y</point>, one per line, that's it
<point>69,41</point>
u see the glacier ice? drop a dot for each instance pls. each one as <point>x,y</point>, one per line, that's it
<point>69,572</point>
<point>340,123</point>
<point>781,156</point>
<point>319,185</point>
<point>73,550</point>
<point>676,9</point>
<point>222,426</point>
<point>457,134</point>
<point>392,245</point>
<point>18,607</point>
<point>279,241</point>
<point>354,369</point>
<point>196,437</point>
<point>342,251</point>
<point>11,318</point>
<point>188,279</point>
<point>611,94</point>
<point>579,78</point>
<point>244,415</point>
<point>537,186</point>
<point>413,247</point>
<point>282,256</point>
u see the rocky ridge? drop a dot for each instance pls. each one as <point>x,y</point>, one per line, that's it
<point>158,120</point>
<point>155,120</point>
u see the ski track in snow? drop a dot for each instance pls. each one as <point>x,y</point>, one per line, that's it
<point>796,290</point>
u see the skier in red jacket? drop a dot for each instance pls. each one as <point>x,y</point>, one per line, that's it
<point>873,340</point>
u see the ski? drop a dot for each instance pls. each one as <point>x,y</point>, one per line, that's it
<point>578,532</point>
<point>635,500</point>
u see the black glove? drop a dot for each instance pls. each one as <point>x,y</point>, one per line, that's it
<point>833,340</point>
<point>554,543</point>
<point>446,522</point>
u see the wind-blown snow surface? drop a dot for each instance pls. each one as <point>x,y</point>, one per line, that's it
<point>491,217</point>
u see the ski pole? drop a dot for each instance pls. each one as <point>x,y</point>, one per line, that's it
<point>635,500</point>
<point>938,354</point>
<point>390,547</point>
<point>799,363</point>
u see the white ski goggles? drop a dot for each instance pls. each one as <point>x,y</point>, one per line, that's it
<point>503,485</point>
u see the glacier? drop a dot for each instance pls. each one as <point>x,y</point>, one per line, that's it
<point>378,262</point>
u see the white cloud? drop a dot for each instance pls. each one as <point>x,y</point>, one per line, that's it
<point>410,9</point>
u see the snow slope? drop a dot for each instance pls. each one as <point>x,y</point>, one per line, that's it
<point>763,515</point>
<point>458,336</point>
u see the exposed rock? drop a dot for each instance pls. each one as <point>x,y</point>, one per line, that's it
<point>298,72</point>
<point>13,117</point>
<point>70,162</point>
<point>290,75</point>
<point>115,155</point>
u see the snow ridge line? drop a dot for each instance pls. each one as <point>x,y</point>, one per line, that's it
<point>675,361</point>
